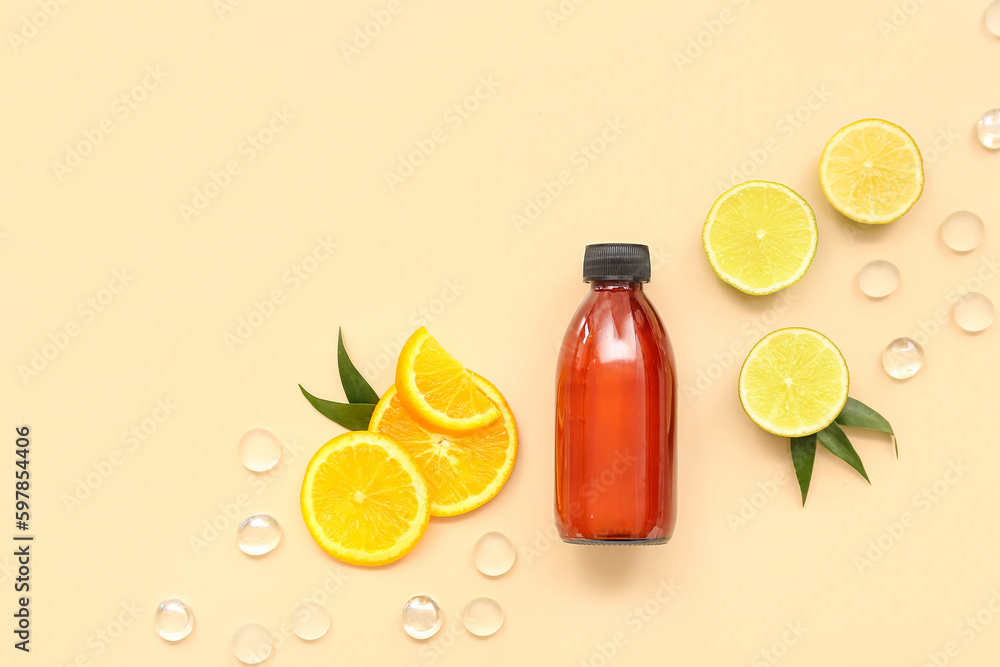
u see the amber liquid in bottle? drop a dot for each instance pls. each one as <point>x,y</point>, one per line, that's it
<point>616,409</point>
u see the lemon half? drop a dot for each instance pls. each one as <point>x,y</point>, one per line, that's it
<point>794,382</point>
<point>871,171</point>
<point>760,236</point>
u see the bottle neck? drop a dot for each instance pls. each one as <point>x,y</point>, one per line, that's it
<point>615,285</point>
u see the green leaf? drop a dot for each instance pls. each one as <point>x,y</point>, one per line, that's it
<point>834,439</point>
<point>803,457</point>
<point>859,415</point>
<point>352,416</point>
<point>356,387</point>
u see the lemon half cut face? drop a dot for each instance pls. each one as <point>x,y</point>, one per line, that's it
<point>760,237</point>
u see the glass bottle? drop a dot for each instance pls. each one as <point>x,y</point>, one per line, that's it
<point>616,405</point>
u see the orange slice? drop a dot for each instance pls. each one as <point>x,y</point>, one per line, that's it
<point>462,472</point>
<point>364,500</point>
<point>437,391</point>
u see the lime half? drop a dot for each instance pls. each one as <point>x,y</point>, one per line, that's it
<point>794,382</point>
<point>760,236</point>
<point>871,171</point>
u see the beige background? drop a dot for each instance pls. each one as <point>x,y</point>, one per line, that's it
<point>446,233</point>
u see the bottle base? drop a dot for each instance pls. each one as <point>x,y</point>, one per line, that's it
<point>623,541</point>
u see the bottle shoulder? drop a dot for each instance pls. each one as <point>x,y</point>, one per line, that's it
<point>619,317</point>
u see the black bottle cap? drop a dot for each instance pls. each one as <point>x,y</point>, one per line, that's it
<point>616,261</point>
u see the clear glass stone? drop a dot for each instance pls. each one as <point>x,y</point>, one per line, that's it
<point>421,617</point>
<point>482,616</point>
<point>988,129</point>
<point>878,278</point>
<point>252,644</point>
<point>260,450</point>
<point>494,554</point>
<point>973,312</point>
<point>902,358</point>
<point>963,231</point>
<point>173,619</point>
<point>992,17</point>
<point>258,534</point>
<point>310,621</point>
